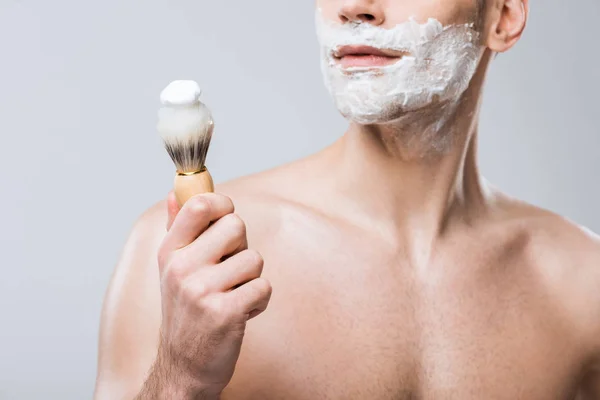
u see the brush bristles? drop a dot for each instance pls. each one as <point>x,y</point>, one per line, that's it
<point>189,155</point>
<point>186,132</point>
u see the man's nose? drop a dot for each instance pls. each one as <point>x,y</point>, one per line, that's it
<point>361,11</point>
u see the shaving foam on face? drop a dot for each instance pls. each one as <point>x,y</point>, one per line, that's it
<point>438,67</point>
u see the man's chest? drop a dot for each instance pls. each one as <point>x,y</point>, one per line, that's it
<point>364,326</point>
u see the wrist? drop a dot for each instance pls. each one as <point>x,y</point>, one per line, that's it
<point>178,384</point>
<point>190,390</point>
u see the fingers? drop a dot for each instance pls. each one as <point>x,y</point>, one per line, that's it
<point>252,297</point>
<point>225,237</point>
<point>235,284</point>
<point>222,278</point>
<point>172,208</point>
<point>235,271</point>
<point>194,218</point>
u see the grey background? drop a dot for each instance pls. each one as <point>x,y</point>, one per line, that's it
<point>80,159</point>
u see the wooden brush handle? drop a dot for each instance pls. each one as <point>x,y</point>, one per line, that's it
<point>187,186</point>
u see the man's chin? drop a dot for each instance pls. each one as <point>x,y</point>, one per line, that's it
<point>374,116</point>
<point>392,112</point>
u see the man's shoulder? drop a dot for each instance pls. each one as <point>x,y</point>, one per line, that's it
<point>555,236</point>
<point>565,258</point>
<point>271,201</point>
<point>275,184</point>
<point>567,252</point>
<point>269,193</point>
<point>551,239</point>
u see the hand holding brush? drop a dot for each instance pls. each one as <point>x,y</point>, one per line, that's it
<point>210,281</point>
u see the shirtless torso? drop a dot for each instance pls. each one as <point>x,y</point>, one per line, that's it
<point>395,275</point>
<point>506,306</point>
<point>500,311</point>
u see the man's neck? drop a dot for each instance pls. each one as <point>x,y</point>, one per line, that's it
<point>414,175</point>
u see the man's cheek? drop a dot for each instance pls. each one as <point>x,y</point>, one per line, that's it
<point>328,9</point>
<point>448,12</point>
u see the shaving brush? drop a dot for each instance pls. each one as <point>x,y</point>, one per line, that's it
<point>186,126</point>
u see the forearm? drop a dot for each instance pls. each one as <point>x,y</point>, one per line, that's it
<point>165,382</point>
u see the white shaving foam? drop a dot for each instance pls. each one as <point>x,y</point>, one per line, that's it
<point>180,93</point>
<point>183,117</point>
<point>440,64</point>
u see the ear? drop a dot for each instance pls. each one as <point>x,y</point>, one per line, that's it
<point>506,22</point>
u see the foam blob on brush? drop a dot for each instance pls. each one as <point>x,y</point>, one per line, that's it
<point>186,125</point>
<point>181,93</point>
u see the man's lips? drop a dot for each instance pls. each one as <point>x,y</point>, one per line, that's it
<point>365,56</point>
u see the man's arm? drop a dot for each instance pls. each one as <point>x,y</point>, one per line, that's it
<point>164,382</point>
<point>590,387</point>
<point>203,280</point>
<point>131,317</point>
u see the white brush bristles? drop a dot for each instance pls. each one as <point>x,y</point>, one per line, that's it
<point>186,130</point>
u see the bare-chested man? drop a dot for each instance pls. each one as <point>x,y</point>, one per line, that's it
<point>397,271</point>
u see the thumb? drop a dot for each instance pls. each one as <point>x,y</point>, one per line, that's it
<point>172,208</point>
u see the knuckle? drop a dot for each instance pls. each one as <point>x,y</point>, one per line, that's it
<point>236,224</point>
<point>175,271</point>
<point>201,290</point>
<point>199,206</point>
<point>228,203</point>
<point>193,291</point>
<point>255,259</point>
<point>263,287</point>
<point>186,291</point>
<point>219,310</point>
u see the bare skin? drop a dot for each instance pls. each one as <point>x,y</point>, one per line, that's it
<point>395,276</point>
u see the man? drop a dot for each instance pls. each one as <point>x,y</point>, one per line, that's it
<point>397,271</point>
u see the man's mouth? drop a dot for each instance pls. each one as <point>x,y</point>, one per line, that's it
<point>365,56</point>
